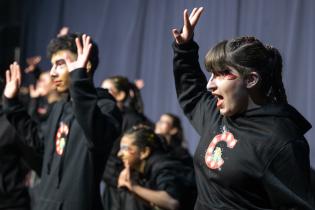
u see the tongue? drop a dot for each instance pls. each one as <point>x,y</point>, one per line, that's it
<point>219,102</point>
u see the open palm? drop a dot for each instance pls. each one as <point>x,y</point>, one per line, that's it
<point>83,54</point>
<point>189,25</point>
<point>13,81</point>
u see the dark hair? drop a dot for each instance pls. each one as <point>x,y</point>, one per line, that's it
<point>178,138</point>
<point>248,54</point>
<point>145,137</point>
<point>133,99</point>
<point>67,42</point>
<point>2,84</point>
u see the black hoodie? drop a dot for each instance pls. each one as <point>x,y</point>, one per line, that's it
<point>255,160</point>
<point>13,191</point>
<point>162,173</point>
<point>76,145</point>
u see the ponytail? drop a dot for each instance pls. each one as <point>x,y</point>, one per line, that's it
<point>276,91</point>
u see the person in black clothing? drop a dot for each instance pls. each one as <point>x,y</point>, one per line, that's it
<point>42,97</point>
<point>252,153</point>
<point>129,101</point>
<point>153,179</point>
<point>81,128</point>
<point>13,170</point>
<point>169,127</point>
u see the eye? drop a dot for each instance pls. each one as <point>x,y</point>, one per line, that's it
<point>60,62</point>
<point>227,74</point>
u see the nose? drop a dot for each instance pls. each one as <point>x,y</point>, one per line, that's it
<point>120,154</point>
<point>53,71</point>
<point>211,85</point>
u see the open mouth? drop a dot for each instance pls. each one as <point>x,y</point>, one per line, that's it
<point>219,101</point>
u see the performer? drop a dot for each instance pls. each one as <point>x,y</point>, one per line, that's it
<point>252,153</point>
<point>82,127</point>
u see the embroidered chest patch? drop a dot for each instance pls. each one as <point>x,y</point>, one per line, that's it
<point>213,157</point>
<point>61,138</point>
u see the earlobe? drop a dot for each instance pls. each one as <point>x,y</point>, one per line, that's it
<point>88,66</point>
<point>173,131</point>
<point>121,95</point>
<point>252,79</point>
<point>145,153</point>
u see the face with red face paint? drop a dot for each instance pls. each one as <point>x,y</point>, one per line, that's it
<point>129,153</point>
<point>230,90</point>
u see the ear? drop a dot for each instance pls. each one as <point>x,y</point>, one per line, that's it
<point>173,131</point>
<point>252,79</point>
<point>144,154</point>
<point>120,96</point>
<point>88,66</point>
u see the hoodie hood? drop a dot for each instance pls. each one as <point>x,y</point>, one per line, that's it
<point>283,111</point>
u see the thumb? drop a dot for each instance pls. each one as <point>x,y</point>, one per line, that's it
<point>177,36</point>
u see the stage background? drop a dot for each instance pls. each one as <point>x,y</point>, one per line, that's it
<point>134,38</point>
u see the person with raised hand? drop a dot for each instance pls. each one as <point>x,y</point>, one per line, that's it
<point>81,127</point>
<point>252,153</point>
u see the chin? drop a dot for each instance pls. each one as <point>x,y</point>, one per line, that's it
<point>62,89</point>
<point>226,113</point>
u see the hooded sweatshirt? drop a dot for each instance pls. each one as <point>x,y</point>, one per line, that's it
<point>258,159</point>
<point>76,144</point>
<point>13,191</point>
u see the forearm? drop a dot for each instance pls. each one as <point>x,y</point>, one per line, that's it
<point>159,198</point>
<point>97,116</point>
<point>26,128</point>
<point>191,83</point>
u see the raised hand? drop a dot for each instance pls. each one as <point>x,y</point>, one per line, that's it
<point>83,54</point>
<point>189,25</point>
<point>35,92</point>
<point>124,178</point>
<point>13,80</point>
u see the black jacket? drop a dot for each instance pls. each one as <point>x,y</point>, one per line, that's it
<point>76,145</point>
<point>255,160</point>
<point>13,190</point>
<point>114,165</point>
<point>162,173</point>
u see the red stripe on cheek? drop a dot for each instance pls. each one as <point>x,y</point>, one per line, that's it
<point>230,76</point>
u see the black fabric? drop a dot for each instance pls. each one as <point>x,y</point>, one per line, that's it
<point>161,173</point>
<point>95,125</point>
<point>258,159</point>
<point>13,190</point>
<point>114,165</point>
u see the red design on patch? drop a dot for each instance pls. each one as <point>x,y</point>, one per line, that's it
<point>213,157</point>
<point>61,138</point>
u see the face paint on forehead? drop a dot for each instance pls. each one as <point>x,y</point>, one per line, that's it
<point>126,147</point>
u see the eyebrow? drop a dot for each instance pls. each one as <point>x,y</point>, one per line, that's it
<point>60,61</point>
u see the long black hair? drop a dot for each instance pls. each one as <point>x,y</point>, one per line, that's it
<point>145,136</point>
<point>133,99</point>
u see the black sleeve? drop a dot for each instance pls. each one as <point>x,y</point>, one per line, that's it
<point>191,85</point>
<point>27,129</point>
<point>287,179</point>
<point>98,117</point>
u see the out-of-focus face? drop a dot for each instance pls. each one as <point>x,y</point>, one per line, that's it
<point>44,83</point>
<point>129,153</point>
<point>230,91</point>
<point>109,85</point>
<point>59,71</point>
<point>164,125</point>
